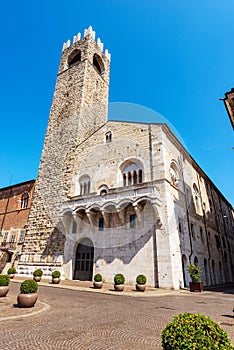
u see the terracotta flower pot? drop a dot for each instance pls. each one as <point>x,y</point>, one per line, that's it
<point>11,275</point>
<point>140,287</point>
<point>119,287</point>
<point>37,278</point>
<point>98,285</point>
<point>196,286</point>
<point>55,280</point>
<point>4,290</point>
<point>27,300</point>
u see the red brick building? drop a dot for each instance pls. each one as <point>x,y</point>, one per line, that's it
<point>15,203</point>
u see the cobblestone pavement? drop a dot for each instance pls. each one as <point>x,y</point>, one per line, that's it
<point>85,321</point>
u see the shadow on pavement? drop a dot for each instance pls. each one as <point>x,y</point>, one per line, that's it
<point>221,288</point>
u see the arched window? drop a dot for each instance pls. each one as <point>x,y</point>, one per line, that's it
<point>173,171</point>
<point>84,185</point>
<point>196,196</point>
<point>98,64</point>
<point>108,137</point>
<point>132,172</point>
<point>184,269</point>
<point>74,57</point>
<point>24,200</point>
<point>103,190</point>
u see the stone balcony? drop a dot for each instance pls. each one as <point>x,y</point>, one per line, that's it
<point>115,196</point>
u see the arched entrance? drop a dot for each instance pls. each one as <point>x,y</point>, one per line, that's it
<point>207,273</point>
<point>184,268</point>
<point>84,261</point>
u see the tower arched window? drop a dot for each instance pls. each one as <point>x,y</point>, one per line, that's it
<point>98,64</point>
<point>132,172</point>
<point>84,185</point>
<point>108,137</point>
<point>74,57</point>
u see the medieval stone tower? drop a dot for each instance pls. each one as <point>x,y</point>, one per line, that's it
<point>79,108</point>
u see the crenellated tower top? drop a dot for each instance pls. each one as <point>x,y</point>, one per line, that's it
<point>87,32</point>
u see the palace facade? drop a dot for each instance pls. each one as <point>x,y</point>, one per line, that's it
<point>119,197</point>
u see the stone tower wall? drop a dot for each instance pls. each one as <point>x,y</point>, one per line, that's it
<point>79,107</point>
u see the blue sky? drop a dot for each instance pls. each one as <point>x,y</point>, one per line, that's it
<point>175,57</point>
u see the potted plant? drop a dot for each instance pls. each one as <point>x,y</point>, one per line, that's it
<point>4,285</point>
<point>98,283</point>
<point>56,277</point>
<point>37,274</point>
<point>119,282</point>
<point>194,331</point>
<point>140,283</point>
<point>11,272</point>
<point>28,293</point>
<point>195,274</point>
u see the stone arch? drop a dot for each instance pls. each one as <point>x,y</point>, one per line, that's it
<point>132,172</point>
<point>184,270</point>
<point>84,258</point>
<point>85,183</point>
<point>67,218</point>
<point>108,136</point>
<point>74,57</point>
<point>98,63</point>
<point>103,190</point>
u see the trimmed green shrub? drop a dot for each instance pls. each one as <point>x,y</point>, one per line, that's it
<point>11,271</point>
<point>98,277</point>
<point>194,332</point>
<point>56,274</point>
<point>119,278</point>
<point>38,273</point>
<point>141,279</point>
<point>4,280</point>
<point>194,272</point>
<point>28,287</point>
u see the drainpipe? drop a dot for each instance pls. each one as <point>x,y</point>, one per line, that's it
<point>150,153</point>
